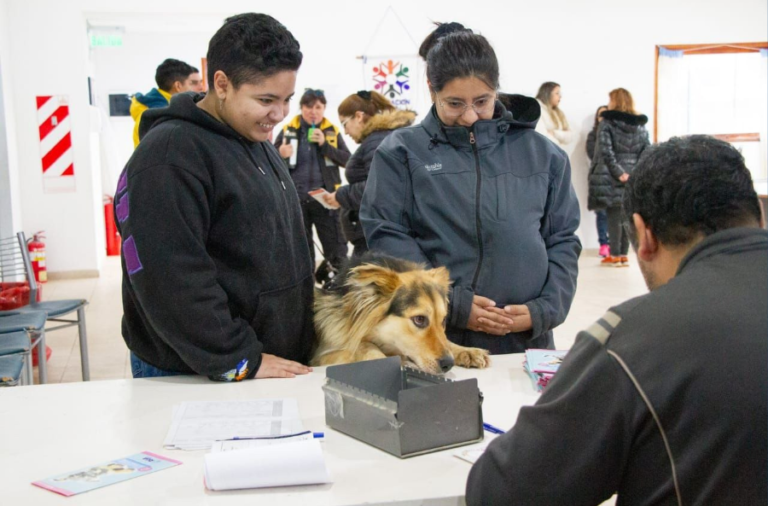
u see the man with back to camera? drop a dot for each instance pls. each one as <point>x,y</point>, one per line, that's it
<point>172,77</point>
<point>662,400</point>
<point>313,148</point>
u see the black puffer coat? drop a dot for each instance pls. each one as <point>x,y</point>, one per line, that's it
<point>621,139</point>
<point>350,196</point>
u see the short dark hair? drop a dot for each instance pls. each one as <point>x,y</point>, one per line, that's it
<point>171,71</point>
<point>442,30</point>
<point>689,186</point>
<point>462,54</point>
<point>311,96</point>
<point>250,47</point>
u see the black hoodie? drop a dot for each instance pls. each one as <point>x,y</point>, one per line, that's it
<point>216,266</point>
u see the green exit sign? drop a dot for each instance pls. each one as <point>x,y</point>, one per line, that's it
<point>111,40</point>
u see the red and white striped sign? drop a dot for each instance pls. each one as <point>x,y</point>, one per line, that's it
<point>56,143</point>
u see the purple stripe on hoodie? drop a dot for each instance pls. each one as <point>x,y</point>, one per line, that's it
<point>121,209</point>
<point>131,256</point>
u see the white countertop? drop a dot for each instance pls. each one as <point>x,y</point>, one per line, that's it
<point>51,429</point>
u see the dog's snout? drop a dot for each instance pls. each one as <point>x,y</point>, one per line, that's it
<point>445,362</point>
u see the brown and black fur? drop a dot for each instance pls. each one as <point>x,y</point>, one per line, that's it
<point>380,306</point>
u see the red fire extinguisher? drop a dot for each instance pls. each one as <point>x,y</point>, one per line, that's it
<point>36,248</point>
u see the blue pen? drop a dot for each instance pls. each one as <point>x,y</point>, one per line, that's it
<point>493,430</point>
<point>318,435</point>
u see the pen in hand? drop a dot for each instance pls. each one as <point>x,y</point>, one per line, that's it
<point>493,430</point>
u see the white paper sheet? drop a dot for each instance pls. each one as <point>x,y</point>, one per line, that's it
<point>196,425</point>
<point>297,463</point>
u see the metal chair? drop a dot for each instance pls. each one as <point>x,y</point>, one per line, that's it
<point>54,309</point>
<point>32,324</point>
<point>19,343</point>
<point>11,367</point>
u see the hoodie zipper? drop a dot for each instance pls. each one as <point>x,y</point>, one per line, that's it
<point>477,209</point>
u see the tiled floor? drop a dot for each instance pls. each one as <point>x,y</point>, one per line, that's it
<point>598,289</point>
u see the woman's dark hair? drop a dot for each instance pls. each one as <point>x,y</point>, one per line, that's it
<point>462,54</point>
<point>369,102</point>
<point>689,186</point>
<point>311,96</point>
<point>442,30</point>
<point>171,71</point>
<point>597,115</point>
<point>250,47</point>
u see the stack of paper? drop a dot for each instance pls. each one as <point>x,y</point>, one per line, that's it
<point>541,365</point>
<point>196,425</point>
<point>275,465</point>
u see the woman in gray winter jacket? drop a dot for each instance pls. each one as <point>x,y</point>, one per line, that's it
<point>475,189</point>
<point>621,139</point>
<point>368,117</point>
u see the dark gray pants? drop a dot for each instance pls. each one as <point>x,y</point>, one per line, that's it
<point>617,232</point>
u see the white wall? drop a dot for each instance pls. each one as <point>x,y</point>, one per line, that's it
<point>10,206</point>
<point>589,47</point>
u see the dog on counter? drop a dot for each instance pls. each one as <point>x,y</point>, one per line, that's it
<point>379,306</point>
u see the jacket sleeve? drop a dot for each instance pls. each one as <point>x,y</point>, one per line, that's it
<point>605,145</point>
<point>385,210</point>
<point>350,196</point>
<point>591,141</point>
<point>558,231</point>
<point>563,136</point>
<point>571,446</point>
<point>174,278</point>
<point>339,155</point>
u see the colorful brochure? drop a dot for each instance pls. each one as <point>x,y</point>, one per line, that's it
<point>108,473</point>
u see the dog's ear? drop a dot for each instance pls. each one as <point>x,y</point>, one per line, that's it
<point>385,280</point>
<point>441,276</point>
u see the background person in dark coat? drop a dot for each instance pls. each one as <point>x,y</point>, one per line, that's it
<point>368,117</point>
<point>601,217</point>
<point>621,139</point>
<point>313,149</point>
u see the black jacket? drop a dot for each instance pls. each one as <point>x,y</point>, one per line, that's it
<point>494,204</point>
<point>696,349</point>
<point>621,139</point>
<point>350,196</point>
<point>216,264</point>
<point>329,156</point>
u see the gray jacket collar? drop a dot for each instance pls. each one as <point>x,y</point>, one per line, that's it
<point>731,240</point>
<point>486,132</point>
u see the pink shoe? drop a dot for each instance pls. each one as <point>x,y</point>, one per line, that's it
<point>605,250</point>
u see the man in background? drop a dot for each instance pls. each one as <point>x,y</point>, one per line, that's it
<point>664,399</point>
<point>172,77</point>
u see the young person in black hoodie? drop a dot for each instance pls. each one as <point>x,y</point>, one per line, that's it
<point>216,271</point>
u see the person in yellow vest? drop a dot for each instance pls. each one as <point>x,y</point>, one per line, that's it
<point>172,77</point>
<point>313,149</point>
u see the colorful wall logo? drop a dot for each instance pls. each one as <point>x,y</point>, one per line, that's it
<point>391,80</point>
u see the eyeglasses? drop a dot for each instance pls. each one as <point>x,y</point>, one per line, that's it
<point>344,123</point>
<point>456,108</point>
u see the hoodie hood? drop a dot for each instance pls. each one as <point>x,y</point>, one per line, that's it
<point>184,107</point>
<point>487,131</point>
<point>387,120</point>
<point>154,99</point>
<point>634,120</point>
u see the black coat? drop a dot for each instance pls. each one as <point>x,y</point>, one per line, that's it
<point>351,195</point>
<point>621,139</point>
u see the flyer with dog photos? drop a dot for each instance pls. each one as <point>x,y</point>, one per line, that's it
<point>108,473</point>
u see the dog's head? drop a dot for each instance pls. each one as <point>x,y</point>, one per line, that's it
<point>409,305</point>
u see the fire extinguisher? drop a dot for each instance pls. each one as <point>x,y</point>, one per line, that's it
<point>36,248</point>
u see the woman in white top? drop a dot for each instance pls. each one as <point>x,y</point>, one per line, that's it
<point>553,123</point>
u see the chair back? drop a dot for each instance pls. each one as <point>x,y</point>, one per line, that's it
<point>15,265</point>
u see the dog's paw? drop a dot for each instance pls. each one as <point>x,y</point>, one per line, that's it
<point>471,357</point>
